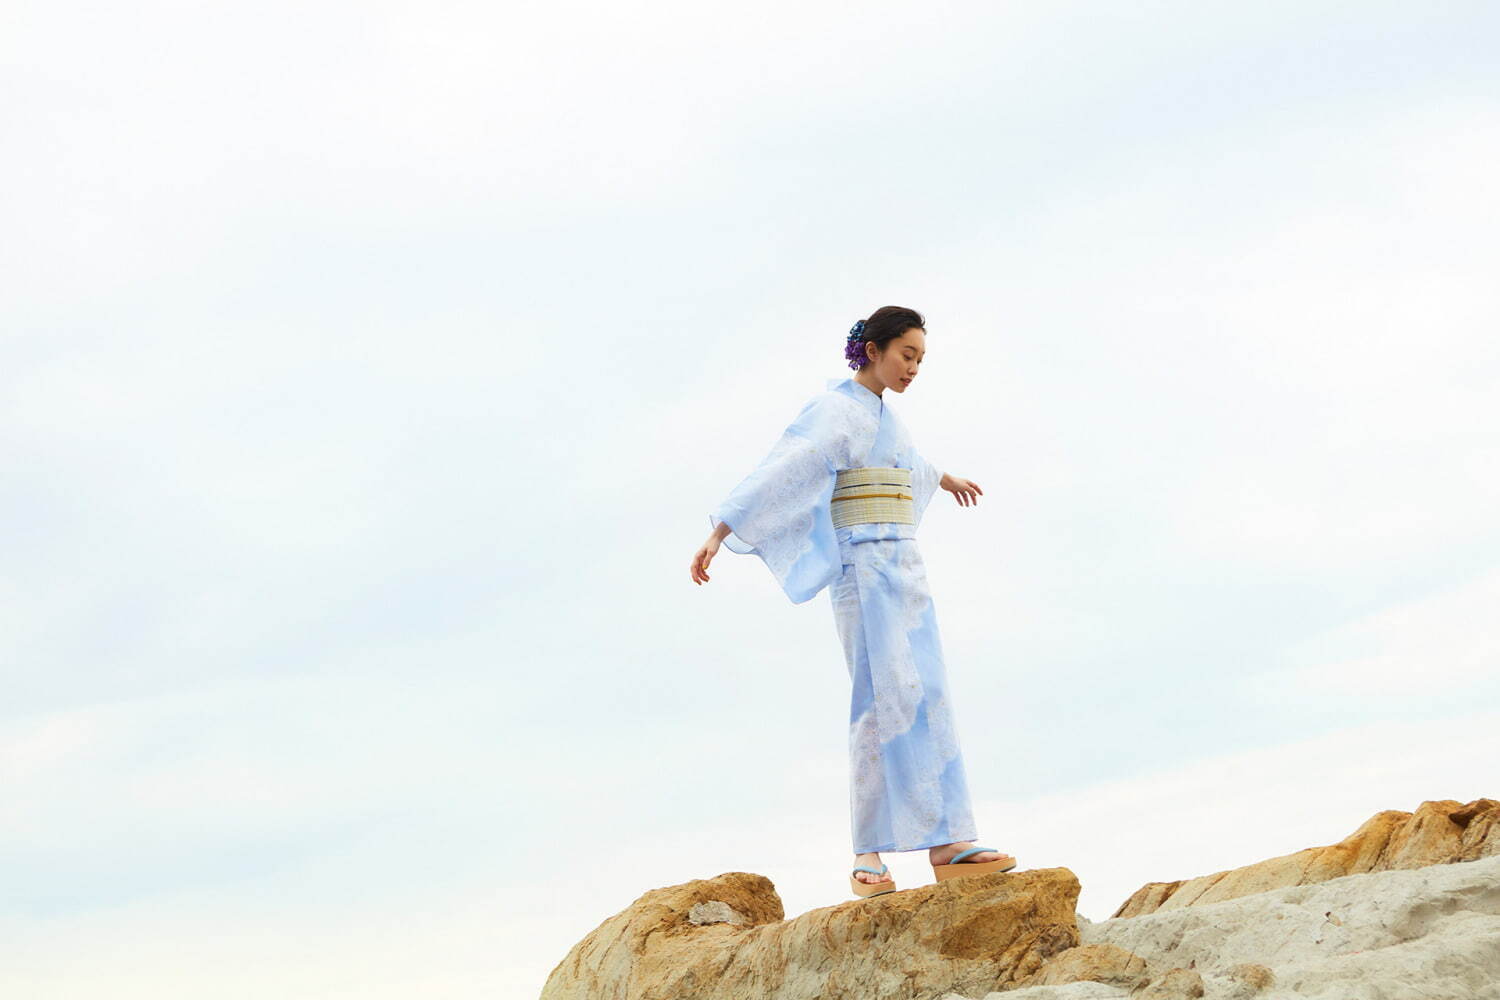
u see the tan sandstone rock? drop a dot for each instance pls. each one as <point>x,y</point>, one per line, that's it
<point>1099,963</point>
<point>1174,984</point>
<point>968,935</point>
<point>1439,832</point>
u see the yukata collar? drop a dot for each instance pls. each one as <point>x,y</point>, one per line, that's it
<point>866,397</point>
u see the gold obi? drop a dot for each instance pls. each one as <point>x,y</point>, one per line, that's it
<point>872,494</point>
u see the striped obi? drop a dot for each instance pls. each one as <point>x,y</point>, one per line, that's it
<point>872,494</point>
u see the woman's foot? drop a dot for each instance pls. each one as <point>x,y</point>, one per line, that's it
<point>870,860</point>
<point>945,853</point>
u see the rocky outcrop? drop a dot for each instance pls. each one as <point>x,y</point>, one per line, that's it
<point>1414,916</point>
<point>1429,933</point>
<point>1439,832</point>
<point>724,938</point>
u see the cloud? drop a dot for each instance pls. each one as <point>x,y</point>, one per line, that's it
<point>1443,646</point>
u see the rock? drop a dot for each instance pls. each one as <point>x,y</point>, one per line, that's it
<point>1247,979</point>
<point>1439,832</point>
<point>1072,991</point>
<point>1430,933</point>
<point>716,912</point>
<point>1100,963</point>
<point>969,935</point>
<point>1415,917</point>
<point>1174,984</point>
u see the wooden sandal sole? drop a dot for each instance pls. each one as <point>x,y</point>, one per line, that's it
<point>866,889</point>
<point>966,868</point>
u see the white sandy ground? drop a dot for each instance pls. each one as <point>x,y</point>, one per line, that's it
<point>1429,933</point>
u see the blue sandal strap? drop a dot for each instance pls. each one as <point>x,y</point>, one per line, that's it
<point>862,868</point>
<point>964,854</point>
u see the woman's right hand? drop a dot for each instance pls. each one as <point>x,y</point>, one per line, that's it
<point>699,568</point>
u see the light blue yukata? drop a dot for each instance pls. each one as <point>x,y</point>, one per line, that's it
<point>907,786</point>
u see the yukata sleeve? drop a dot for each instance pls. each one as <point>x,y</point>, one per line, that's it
<point>925,478</point>
<point>780,512</point>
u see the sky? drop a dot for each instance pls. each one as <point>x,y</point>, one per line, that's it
<point>367,377</point>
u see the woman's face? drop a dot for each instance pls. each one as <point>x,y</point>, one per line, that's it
<point>897,365</point>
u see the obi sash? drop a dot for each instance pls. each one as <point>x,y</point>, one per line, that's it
<point>872,494</point>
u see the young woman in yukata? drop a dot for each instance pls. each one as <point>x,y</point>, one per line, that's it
<point>836,504</point>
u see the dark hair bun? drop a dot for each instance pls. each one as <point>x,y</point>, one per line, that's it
<point>880,328</point>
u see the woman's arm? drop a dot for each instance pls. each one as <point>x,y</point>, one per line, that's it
<point>780,511</point>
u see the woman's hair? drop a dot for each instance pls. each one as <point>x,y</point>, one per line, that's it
<point>880,328</point>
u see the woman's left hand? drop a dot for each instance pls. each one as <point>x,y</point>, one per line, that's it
<point>965,491</point>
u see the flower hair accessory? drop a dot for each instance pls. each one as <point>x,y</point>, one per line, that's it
<point>854,347</point>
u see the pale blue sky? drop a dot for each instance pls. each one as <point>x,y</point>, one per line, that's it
<point>367,378</point>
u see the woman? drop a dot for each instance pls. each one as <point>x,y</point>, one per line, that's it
<point>836,503</point>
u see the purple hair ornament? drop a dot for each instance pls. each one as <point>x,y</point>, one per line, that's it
<point>854,347</point>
